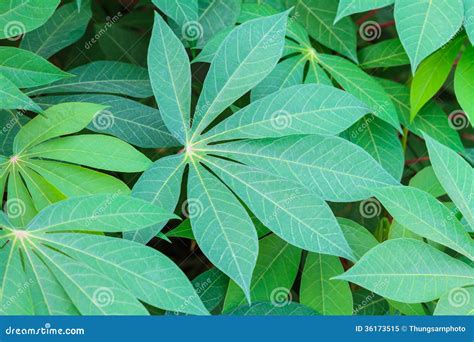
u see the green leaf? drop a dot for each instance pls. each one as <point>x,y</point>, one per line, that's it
<point>316,74</point>
<point>62,119</point>
<point>102,77</point>
<point>269,309</point>
<point>19,16</point>
<point>183,230</point>
<point>42,192</point>
<point>87,288</point>
<point>11,122</point>
<point>301,109</point>
<point>19,205</point>
<point>409,271</point>
<point>459,301</point>
<point>246,57</point>
<point>126,119</point>
<point>333,168</point>
<point>421,213</point>
<point>319,292</point>
<point>160,185</point>
<point>103,213</point>
<point>286,74</point>
<point>146,273</point>
<point>290,210</point>
<point>431,119</point>
<point>93,150</point>
<point>361,85</point>
<point>426,83</point>
<point>209,50</point>
<point>318,17</point>
<point>25,69</point>
<point>181,11</point>
<point>369,303</point>
<point>456,176</point>
<point>170,75</point>
<point>74,180</point>
<point>385,54</point>
<point>348,7</point>
<point>214,16</point>
<point>13,98</point>
<point>360,240</point>
<point>211,287</point>
<point>273,277</point>
<point>427,181</point>
<point>66,26</point>
<point>215,215</point>
<point>463,81</point>
<point>424,26</point>
<point>469,19</point>
<point>381,141</point>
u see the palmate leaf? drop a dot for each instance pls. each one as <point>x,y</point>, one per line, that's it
<point>246,57</point>
<point>170,75</point>
<point>463,81</point>
<point>102,77</point>
<point>18,16</point>
<point>321,293</point>
<point>290,210</point>
<point>126,119</point>
<point>362,86</point>
<point>25,69</point>
<point>387,53</point>
<point>13,98</point>
<point>468,19</point>
<point>421,213</point>
<point>318,18</point>
<point>214,16</point>
<point>222,227</point>
<point>160,185</point>
<point>274,274</point>
<point>11,121</point>
<point>348,7</point>
<point>72,273</point>
<point>93,150</point>
<point>67,25</point>
<point>455,175</point>
<point>302,109</point>
<point>409,271</point>
<point>333,168</point>
<point>424,26</point>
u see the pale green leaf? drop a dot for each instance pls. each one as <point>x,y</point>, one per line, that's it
<point>12,98</point>
<point>457,302</point>
<point>463,81</point>
<point>387,53</point>
<point>348,7</point>
<point>181,11</point>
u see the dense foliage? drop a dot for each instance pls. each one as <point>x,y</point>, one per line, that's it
<point>245,157</point>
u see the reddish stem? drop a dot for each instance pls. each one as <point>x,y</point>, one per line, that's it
<point>468,136</point>
<point>388,24</point>
<point>417,160</point>
<point>369,15</point>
